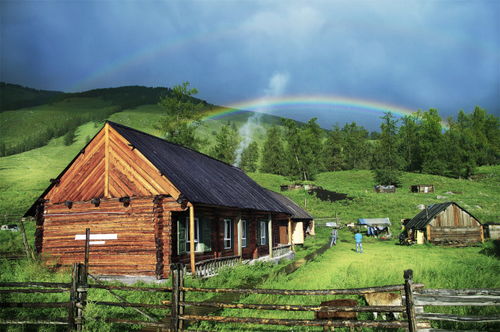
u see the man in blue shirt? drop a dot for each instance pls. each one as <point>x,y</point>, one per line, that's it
<point>333,237</point>
<point>359,246</point>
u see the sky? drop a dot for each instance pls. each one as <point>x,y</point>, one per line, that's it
<point>340,61</point>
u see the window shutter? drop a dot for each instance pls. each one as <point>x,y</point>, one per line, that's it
<point>181,237</point>
<point>205,243</point>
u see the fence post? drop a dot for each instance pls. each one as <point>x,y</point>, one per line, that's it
<point>87,249</point>
<point>27,249</point>
<point>182,294</point>
<point>73,298</point>
<point>410,307</point>
<point>81,295</point>
<point>174,274</point>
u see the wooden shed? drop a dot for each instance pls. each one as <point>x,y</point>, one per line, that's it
<point>492,230</point>
<point>422,188</point>
<point>150,203</point>
<point>445,223</point>
<point>302,222</point>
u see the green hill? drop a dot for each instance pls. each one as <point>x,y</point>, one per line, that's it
<point>24,129</point>
<point>13,96</point>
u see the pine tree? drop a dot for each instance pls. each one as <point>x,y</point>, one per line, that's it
<point>410,142</point>
<point>333,150</point>
<point>182,116</point>
<point>226,143</point>
<point>357,151</point>
<point>432,145</point>
<point>250,158</point>
<point>273,153</point>
<point>387,160</point>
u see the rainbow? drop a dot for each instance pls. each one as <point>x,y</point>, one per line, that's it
<point>334,104</point>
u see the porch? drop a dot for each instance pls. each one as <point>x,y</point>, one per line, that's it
<point>210,267</point>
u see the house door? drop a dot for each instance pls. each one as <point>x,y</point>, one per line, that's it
<point>283,233</point>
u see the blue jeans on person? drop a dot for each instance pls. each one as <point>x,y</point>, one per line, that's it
<point>359,247</point>
<point>333,241</point>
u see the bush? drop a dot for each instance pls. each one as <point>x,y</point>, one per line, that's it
<point>387,177</point>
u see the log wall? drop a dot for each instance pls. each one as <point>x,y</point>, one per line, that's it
<point>140,235</point>
<point>216,216</point>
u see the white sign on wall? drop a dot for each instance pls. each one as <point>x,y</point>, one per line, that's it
<point>99,237</point>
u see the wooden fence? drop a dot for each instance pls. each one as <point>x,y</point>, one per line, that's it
<point>175,303</point>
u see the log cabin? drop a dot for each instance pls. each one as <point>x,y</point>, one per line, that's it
<point>149,203</point>
<point>445,223</point>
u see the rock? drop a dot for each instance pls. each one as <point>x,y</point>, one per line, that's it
<point>421,206</point>
<point>441,197</point>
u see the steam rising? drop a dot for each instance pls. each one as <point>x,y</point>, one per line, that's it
<point>276,86</point>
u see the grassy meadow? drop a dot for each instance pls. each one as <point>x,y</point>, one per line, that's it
<point>24,176</point>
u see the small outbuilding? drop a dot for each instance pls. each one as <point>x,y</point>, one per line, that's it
<point>422,188</point>
<point>385,188</point>
<point>492,230</point>
<point>445,223</point>
<point>149,203</point>
<point>302,222</point>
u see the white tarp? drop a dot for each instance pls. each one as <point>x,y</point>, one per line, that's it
<point>374,221</point>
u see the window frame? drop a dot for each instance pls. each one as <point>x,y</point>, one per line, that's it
<point>228,227</point>
<point>196,235</point>
<point>263,233</point>
<point>244,235</point>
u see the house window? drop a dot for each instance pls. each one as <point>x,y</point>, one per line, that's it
<point>243,233</point>
<point>228,233</point>
<point>196,235</point>
<point>263,233</point>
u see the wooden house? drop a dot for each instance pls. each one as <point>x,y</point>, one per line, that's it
<point>492,230</point>
<point>149,203</point>
<point>302,222</point>
<point>445,223</point>
<point>422,188</point>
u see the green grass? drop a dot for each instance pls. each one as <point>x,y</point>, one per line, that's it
<point>480,197</point>
<point>382,263</point>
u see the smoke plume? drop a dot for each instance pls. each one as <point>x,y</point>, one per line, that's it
<point>275,87</point>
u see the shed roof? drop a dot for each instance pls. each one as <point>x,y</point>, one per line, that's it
<point>375,221</point>
<point>427,215</point>
<point>200,178</point>
<point>296,211</point>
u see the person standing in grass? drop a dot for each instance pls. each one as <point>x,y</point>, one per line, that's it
<point>333,239</point>
<point>358,238</point>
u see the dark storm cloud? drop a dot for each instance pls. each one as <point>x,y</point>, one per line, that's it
<point>417,54</point>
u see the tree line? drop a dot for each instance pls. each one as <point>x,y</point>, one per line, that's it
<point>415,143</point>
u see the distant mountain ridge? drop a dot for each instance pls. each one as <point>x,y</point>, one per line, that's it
<point>14,96</point>
<point>51,114</point>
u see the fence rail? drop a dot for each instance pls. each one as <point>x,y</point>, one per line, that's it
<point>414,296</point>
<point>211,267</point>
<point>282,250</point>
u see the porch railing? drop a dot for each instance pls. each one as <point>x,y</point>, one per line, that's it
<point>282,250</point>
<point>211,267</point>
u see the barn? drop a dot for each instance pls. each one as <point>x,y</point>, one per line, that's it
<point>302,222</point>
<point>445,223</point>
<point>149,203</point>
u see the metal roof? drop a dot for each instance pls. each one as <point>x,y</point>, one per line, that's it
<point>296,211</point>
<point>200,178</point>
<point>426,215</point>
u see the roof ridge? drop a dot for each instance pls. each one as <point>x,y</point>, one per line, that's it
<point>165,141</point>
